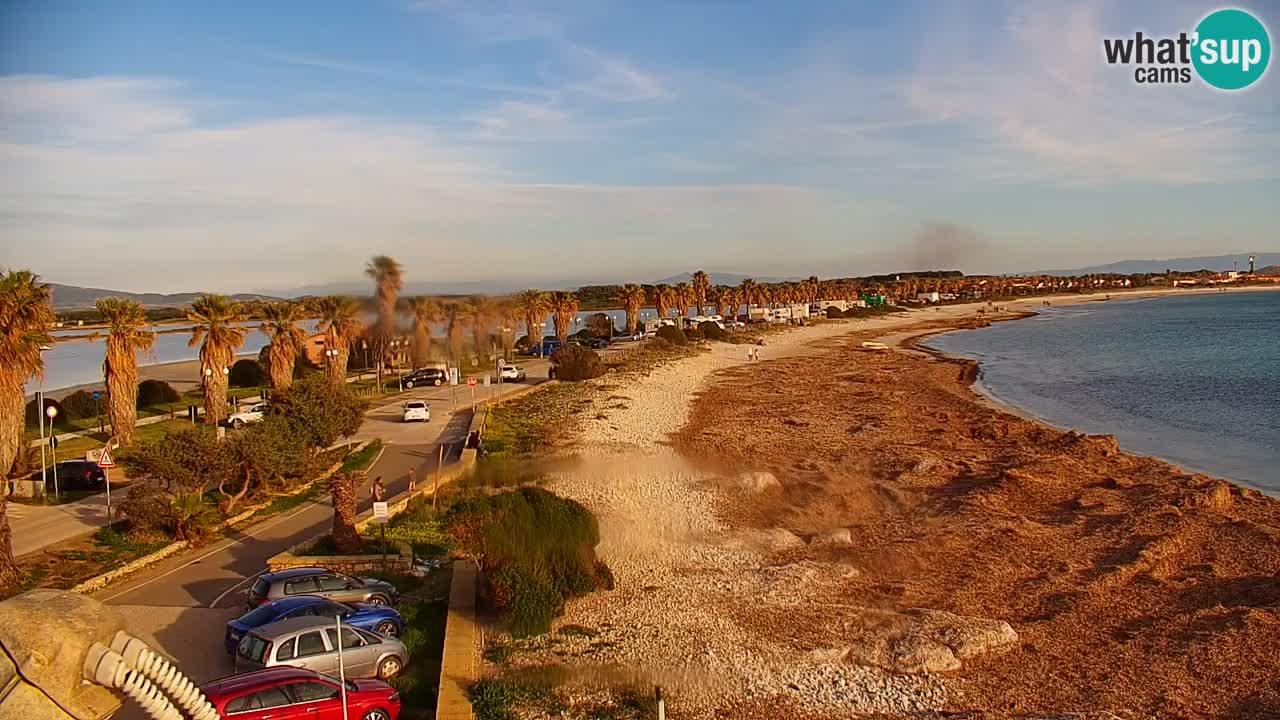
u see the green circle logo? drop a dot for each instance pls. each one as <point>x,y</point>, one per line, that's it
<point>1232,49</point>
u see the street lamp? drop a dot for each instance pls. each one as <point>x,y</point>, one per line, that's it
<point>52,412</point>
<point>40,417</point>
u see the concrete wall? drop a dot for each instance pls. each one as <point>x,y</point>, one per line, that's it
<point>458,663</point>
<point>398,562</point>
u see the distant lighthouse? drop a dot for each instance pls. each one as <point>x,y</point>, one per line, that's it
<point>1250,264</point>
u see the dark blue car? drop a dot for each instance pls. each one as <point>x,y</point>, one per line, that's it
<point>374,618</point>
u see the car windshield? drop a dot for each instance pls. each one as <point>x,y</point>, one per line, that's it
<point>415,405</point>
<point>253,648</point>
<point>260,588</point>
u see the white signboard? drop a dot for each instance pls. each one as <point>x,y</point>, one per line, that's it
<point>453,376</point>
<point>380,513</point>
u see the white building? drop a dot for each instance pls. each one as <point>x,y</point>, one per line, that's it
<point>928,297</point>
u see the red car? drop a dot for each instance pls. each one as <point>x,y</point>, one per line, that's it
<point>289,693</point>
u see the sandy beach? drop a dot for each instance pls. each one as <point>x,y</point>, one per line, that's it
<point>832,532</point>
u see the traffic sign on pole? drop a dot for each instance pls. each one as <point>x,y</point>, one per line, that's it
<point>471,382</point>
<point>105,460</point>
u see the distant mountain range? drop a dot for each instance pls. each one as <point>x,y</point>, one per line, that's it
<point>69,297</point>
<point>1187,264</point>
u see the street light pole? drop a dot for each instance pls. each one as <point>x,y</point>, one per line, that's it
<point>40,419</point>
<point>52,412</point>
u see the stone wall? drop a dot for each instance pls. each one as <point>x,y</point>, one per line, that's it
<point>398,562</point>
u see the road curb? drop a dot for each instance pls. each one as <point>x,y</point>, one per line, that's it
<point>94,584</point>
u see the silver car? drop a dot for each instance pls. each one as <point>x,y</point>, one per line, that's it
<point>312,643</point>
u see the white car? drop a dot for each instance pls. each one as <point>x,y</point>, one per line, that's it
<point>417,410</point>
<point>254,414</point>
<point>511,372</point>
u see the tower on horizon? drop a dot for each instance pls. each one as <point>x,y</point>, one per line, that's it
<point>1250,264</point>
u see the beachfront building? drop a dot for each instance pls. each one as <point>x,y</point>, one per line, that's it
<point>931,297</point>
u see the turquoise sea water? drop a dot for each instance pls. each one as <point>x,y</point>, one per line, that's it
<point>1194,380</point>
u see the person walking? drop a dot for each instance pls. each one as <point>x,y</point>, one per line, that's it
<point>379,491</point>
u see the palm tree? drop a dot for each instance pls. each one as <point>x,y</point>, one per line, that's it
<point>749,289</point>
<point>683,298</point>
<point>564,305</point>
<point>730,300</point>
<point>128,334</point>
<point>280,324</point>
<point>509,315</point>
<point>343,487</point>
<point>480,311</point>
<point>26,314</point>
<point>340,323</point>
<point>455,317</point>
<point>388,281</point>
<point>632,298</point>
<point>663,296</point>
<point>701,284</point>
<point>534,306</point>
<point>425,312</point>
<point>218,336</point>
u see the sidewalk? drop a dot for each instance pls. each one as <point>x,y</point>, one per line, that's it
<point>38,526</point>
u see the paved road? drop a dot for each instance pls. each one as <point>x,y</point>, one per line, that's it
<point>181,605</point>
<point>38,526</point>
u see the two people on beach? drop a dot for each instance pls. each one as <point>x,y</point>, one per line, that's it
<point>753,354</point>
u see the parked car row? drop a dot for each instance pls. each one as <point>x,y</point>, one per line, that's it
<point>302,629</point>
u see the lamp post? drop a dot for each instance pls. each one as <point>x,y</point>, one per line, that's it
<point>52,412</point>
<point>40,417</point>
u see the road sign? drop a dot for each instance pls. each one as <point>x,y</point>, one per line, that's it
<point>97,396</point>
<point>502,363</point>
<point>453,376</point>
<point>471,382</point>
<point>380,513</point>
<point>486,381</point>
<point>105,460</point>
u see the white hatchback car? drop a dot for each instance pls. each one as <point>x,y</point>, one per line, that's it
<point>417,410</point>
<point>511,372</point>
<point>251,415</point>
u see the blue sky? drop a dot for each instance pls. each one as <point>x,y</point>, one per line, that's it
<point>171,146</point>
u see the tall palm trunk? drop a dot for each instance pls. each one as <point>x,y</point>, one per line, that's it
<point>335,367</point>
<point>121,372</point>
<point>421,344</point>
<point>215,382</point>
<point>281,357</point>
<point>342,486</point>
<point>12,434</point>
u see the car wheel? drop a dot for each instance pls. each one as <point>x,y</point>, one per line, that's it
<point>237,423</point>
<point>389,668</point>
<point>437,382</point>
<point>376,714</point>
<point>409,385</point>
<point>378,600</point>
<point>387,628</point>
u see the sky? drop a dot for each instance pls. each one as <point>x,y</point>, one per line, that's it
<point>237,146</point>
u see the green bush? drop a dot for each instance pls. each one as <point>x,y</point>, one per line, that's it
<point>247,373</point>
<point>528,602</point>
<point>156,392</point>
<point>574,362</point>
<point>673,335</point>
<point>60,422</point>
<point>80,404</point>
<point>537,550</point>
<point>712,331</point>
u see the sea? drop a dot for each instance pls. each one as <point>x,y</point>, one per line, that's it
<point>1194,380</point>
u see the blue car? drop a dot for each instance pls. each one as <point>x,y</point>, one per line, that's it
<point>374,618</point>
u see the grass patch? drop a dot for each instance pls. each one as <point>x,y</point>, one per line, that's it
<point>418,526</point>
<point>535,422</point>
<point>71,562</point>
<point>324,545</point>
<point>361,459</point>
<point>424,623</point>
